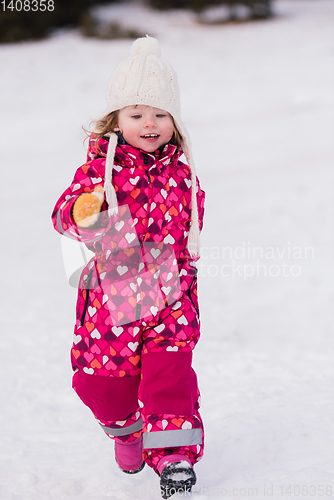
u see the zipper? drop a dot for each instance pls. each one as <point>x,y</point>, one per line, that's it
<point>189,292</point>
<point>87,285</point>
<point>148,176</point>
<point>146,170</point>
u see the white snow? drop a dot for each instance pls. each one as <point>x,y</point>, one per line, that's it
<point>257,99</point>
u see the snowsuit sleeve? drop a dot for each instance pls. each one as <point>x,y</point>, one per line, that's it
<point>200,204</point>
<point>86,178</point>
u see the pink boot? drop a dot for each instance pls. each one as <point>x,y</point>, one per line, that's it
<point>129,456</point>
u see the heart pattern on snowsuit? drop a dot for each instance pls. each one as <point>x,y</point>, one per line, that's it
<point>138,295</point>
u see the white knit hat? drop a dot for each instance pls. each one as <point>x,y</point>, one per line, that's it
<point>144,78</point>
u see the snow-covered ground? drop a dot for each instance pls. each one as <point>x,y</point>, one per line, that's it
<point>258,102</point>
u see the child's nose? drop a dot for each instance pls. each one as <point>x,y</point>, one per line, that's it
<point>150,122</point>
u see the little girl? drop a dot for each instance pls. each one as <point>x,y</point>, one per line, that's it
<point>139,208</point>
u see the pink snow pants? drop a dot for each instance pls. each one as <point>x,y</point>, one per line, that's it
<point>150,387</point>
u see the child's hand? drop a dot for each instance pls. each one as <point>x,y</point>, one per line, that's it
<point>87,207</point>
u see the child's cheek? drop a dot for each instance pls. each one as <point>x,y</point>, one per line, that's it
<point>129,135</point>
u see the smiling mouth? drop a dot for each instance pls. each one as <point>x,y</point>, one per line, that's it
<point>150,136</point>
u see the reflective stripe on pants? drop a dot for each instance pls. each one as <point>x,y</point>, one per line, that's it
<point>169,439</point>
<point>123,431</point>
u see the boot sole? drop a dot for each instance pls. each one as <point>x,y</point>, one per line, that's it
<point>131,471</point>
<point>169,487</point>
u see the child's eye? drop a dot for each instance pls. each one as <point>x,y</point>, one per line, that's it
<point>136,116</point>
<point>161,116</point>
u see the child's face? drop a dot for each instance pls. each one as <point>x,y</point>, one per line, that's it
<point>145,127</point>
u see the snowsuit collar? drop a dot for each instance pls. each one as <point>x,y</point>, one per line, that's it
<point>128,156</point>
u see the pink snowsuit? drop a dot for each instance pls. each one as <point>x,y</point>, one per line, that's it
<point>137,317</point>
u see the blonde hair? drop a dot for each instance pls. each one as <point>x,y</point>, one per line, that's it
<point>109,123</point>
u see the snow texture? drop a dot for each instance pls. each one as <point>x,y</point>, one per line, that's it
<point>257,99</point>
<point>179,471</point>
